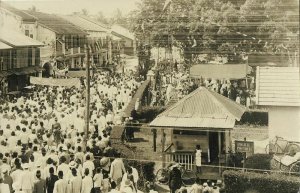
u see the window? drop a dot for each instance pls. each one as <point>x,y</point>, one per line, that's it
<point>26,32</point>
<point>189,132</point>
<point>30,57</point>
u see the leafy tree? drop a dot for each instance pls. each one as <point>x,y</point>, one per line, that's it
<point>227,27</point>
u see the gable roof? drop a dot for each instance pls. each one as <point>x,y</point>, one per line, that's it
<point>20,13</point>
<point>201,109</point>
<point>119,30</point>
<point>57,24</point>
<point>4,46</point>
<point>16,39</point>
<point>278,86</point>
<point>83,23</point>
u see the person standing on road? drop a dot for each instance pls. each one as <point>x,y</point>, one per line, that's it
<point>198,159</point>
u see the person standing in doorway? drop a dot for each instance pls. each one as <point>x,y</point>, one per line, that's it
<point>198,159</point>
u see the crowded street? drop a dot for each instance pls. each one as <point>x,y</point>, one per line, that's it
<point>149,96</point>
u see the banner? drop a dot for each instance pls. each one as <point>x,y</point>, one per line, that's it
<point>55,81</point>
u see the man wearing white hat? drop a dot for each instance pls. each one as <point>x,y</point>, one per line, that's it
<point>75,181</point>
<point>26,179</point>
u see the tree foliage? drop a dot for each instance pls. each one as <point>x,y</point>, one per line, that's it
<point>228,27</point>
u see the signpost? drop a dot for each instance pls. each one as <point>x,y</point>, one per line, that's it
<point>246,148</point>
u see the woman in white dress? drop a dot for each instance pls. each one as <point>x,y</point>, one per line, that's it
<point>198,158</point>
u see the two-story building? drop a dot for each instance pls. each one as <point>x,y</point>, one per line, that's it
<point>19,59</point>
<point>97,38</point>
<point>65,42</point>
<point>128,42</point>
<point>17,20</point>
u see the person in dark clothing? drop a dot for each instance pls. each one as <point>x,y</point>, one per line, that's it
<point>50,181</point>
<point>175,180</point>
<point>39,184</point>
<point>7,179</point>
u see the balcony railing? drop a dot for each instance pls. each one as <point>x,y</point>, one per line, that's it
<point>185,158</point>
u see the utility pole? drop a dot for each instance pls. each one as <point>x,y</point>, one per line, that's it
<point>87,113</point>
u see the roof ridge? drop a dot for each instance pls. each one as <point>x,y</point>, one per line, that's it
<point>180,102</point>
<point>224,108</point>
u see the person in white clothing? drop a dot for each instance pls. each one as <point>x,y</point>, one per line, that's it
<point>198,158</point>
<point>87,182</point>
<point>60,185</point>
<point>75,182</point>
<point>27,180</point>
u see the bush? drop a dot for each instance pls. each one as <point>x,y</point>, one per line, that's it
<point>241,182</point>
<point>148,114</point>
<point>259,161</point>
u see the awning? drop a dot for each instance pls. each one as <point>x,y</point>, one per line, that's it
<point>219,71</point>
<point>26,70</point>
<point>4,46</point>
<point>17,39</point>
<point>55,82</point>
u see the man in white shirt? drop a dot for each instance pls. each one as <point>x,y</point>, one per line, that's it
<point>27,180</point>
<point>88,164</point>
<point>75,182</point>
<point>60,185</point>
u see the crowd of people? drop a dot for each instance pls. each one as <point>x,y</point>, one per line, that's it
<point>177,85</point>
<point>43,147</point>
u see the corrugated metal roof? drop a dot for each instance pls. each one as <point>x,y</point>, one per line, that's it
<point>16,39</point>
<point>84,24</point>
<point>201,108</point>
<point>219,71</point>
<point>57,24</point>
<point>4,46</point>
<point>278,86</point>
<point>20,13</point>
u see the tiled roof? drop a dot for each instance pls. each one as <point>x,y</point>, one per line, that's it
<point>219,71</point>
<point>22,14</point>
<point>57,24</point>
<point>83,23</point>
<point>201,109</point>
<point>278,86</point>
<point>16,39</point>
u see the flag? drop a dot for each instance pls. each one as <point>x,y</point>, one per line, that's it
<point>167,3</point>
<point>143,27</point>
<point>194,43</point>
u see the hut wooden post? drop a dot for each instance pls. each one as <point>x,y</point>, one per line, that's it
<point>219,148</point>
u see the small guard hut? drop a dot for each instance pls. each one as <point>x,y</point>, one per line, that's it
<point>203,117</point>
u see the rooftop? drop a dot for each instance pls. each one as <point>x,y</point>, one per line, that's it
<point>84,23</point>
<point>22,14</point>
<point>201,109</point>
<point>16,39</point>
<point>119,30</point>
<point>55,23</point>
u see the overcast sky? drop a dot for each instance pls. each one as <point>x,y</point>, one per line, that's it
<point>107,7</point>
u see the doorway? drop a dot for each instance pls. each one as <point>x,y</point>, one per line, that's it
<point>213,147</point>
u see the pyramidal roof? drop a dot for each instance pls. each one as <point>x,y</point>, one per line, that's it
<point>201,109</point>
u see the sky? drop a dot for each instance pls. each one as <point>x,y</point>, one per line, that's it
<point>107,7</point>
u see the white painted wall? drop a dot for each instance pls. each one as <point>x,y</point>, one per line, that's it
<point>10,20</point>
<point>284,122</point>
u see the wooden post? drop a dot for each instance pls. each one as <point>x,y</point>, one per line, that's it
<point>219,146</point>
<point>163,141</point>
<point>87,113</point>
